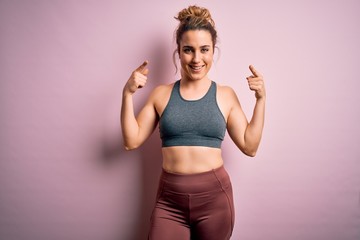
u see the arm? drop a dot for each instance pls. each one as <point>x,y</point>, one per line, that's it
<point>136,130</point>
<point>247,135</point>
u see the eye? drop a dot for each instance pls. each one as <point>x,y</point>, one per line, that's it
<point>187,50</point>
<point>205,50</point>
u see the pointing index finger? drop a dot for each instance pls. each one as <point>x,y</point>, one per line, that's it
<point>254,71</point>
<point>142,66</point>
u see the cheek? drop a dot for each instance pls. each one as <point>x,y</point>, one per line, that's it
<point>209,59</point>
<point>184,59</point>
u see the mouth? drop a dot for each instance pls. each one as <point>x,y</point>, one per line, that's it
<point>196,68</point>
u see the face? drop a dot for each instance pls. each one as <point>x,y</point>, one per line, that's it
<point>196,54</point>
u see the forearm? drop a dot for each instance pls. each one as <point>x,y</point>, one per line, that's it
<point>254,129</point>
<point>129,124</point>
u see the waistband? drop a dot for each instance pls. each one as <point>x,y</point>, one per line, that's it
<point>213,180</point>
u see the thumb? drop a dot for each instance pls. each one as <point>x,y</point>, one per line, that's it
<point>145,71</point>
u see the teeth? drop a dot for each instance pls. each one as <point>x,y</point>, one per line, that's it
<point>196,68</point>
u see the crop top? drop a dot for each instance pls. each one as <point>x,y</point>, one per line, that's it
<point>192,122</point>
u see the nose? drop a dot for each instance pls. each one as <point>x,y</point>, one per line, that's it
<point>196,57</point>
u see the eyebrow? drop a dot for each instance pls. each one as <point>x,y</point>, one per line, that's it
<point>204,46</point>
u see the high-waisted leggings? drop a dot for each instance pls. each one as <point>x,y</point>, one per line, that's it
<point>193,206</point>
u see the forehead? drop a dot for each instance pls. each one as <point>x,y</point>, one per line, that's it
<point>196,38</point>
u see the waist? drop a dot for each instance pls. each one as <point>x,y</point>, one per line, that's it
<point>212,180</point>
<point>191,159</point>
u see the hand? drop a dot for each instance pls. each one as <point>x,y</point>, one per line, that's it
<point>256,83</point>
<point>137,79</point>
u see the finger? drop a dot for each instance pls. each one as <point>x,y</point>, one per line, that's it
<point>145,71</point>
<point>139,75</point>
<point>141,83</point>
<point>254,71</point>
<point>255,87</point>
<point>254,79</point>
<point>142,66</point>
<point>254,83</point>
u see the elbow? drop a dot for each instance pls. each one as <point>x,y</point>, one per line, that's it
<point>250,150</point>
<point>250,153</point>
<point>130,143</point>
<point>129,147</point>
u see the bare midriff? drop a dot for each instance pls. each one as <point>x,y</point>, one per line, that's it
<point>191,159</point>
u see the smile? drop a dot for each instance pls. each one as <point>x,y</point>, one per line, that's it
<point>196,68</point>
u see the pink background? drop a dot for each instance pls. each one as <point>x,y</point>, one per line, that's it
<point>64,173</point>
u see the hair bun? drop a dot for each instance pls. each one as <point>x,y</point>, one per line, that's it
<point>195,12</point>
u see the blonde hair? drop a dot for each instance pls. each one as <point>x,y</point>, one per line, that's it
<point>194,18</point>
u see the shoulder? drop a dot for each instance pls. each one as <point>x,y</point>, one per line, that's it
<point>162,91</point>
<point>226,99</point>
<point>163,88</point>
<point>226,92</point>
<point>160,96</point>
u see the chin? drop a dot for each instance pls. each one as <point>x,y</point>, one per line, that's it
<point>196,76</point>
<point>199,77</point>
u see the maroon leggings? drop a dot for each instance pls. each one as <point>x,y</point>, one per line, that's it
<point>193,206</point>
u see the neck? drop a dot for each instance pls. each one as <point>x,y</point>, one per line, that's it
<point>194,83</point>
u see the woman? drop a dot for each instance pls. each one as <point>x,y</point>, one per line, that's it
<point>194,198</point>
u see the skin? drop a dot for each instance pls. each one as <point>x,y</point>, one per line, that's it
<point>196,57</point>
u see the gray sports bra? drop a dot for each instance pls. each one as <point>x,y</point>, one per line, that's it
<point>192,122</point>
